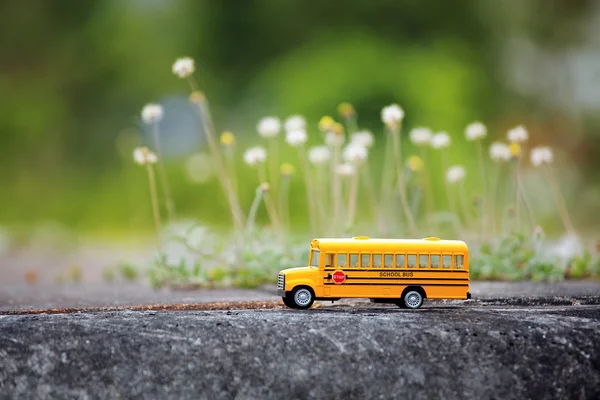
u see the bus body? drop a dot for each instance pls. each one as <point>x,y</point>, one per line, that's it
<point>400,271</point>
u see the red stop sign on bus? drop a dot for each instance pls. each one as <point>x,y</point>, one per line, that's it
<point>338,277</point>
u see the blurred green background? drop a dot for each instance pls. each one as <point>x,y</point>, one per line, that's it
<point>74,75</point>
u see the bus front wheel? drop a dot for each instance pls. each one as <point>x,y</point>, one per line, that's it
<point>302,297</point>
<point>288,301</point>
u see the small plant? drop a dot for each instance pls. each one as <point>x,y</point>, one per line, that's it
<point>75,273</point>
<point>109,275</point>
<point>128,271</point>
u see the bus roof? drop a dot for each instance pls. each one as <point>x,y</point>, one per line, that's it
<point>362,243</point>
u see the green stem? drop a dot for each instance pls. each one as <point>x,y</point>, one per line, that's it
<point>527,205</point>
<point>560,202</point>
<point>310,197</point>
<point>369,188</point>
<point>387,181</point>
<point>401,186</point>
<point>517,195</point>
<point>465,204</point>
<point>484,191</point>
<point>270,205</point>
<point>493,194</point>
<point>234,205</point>
<point>254,209</point>
<point>273,165</point>
<point>284,206</point>
<point>170,204</point>
<point>428,188</point>
<point>335,190</point>
<point>155,209</point>
<point>352,196</point>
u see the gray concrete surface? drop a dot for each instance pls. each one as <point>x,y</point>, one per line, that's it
<point>339,352</point>
<point>23,296</point>
<point>27,297</point>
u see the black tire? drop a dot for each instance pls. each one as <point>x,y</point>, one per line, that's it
<point>412,299</point>
<point>303,297</point>
<point>400,303</point>
<point>288,301</point>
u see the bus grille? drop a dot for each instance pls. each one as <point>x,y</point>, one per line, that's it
<point>281,281</point>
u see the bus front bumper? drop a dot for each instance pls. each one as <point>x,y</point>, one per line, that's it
<point>468,295</point>
<point>281,292</point>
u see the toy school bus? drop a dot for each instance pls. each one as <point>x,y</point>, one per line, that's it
<point>397,271</point>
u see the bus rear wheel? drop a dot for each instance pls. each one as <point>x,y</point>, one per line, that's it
<point>288,301</point>
<point>412,299</point>
<point>302,297</point>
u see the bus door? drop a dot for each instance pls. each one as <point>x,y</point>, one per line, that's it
<point>336,279</point>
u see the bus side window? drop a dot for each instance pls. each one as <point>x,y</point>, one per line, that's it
<point>329,260</point>
<point>376,260</point>
<point>388,261</point>
<point>435,261</point>
<point>423,260</point>
<point>400,261</point>
<point>353,260</point>
<point>458,261</point>
<point>412,261</point>
<point>447,261</point>
<point>365,260</point>
<point>341,260</point>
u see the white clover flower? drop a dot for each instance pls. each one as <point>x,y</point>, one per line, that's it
<point>392,115</point>
<point>152,113</point>
<point>334,139</point>
<point>455,173</point>
<point>440,140</point>
<point>364,138</point>
<point>475,131</point>
<point>319,155</point>
<point>255,155</point>
<point>420,136</point>
<point>269,127</point>
<point>518,134</point>
<point>143,156</point>
<point>355,153</point>
<point>541,155</point>
<point>296,137</point>
<point>345,169</point>
<point>295,123</point>
<point>184,67</point>
<point>568,246</point>
<point>499,152</point>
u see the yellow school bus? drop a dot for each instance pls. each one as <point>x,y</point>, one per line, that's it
<point>400,271</point>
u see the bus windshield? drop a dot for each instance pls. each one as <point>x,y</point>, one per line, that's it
<point>314,258</point>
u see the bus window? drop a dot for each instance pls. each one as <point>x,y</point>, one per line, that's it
<point>447,261</point>
<point>365,260</point>
<point>458,261</point>
<point>435,261</point>
<point>423,260</point>
<point>400,261</point>
<point>314,258</point>
<point>376,260</point>
<point>388,261</point>
<point>341,260</point>
<point>353,261</point>
<point>329,260</point>
<point>412,261</point>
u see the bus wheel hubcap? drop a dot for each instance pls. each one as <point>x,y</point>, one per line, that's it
<point>413,299</point>
<point>303,297</point>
